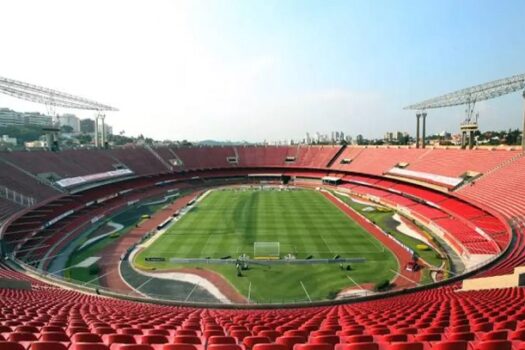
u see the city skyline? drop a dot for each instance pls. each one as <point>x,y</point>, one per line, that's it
<point>267,70</point>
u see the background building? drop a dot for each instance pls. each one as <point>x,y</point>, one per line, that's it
<point>70,120</point>
<point>9,117</point>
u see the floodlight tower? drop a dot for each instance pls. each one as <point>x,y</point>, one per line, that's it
<point>420,115</point>
<point>100,130</point>
<point>469,125</point>
<point>53,99</point>
<point>469,97</point>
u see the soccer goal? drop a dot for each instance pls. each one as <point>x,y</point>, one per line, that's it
<point>266,250</point>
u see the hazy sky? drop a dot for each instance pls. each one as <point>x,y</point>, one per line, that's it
<point>254,70</point>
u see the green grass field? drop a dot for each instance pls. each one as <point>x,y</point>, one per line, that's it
<point>304,222</point>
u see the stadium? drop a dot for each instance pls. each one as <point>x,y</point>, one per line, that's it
<point>253,246</point>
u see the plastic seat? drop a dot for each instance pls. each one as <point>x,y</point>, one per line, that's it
<point>240,334</point>
<point>88,346</point>
<point>212,332</point>
<point>186,332</point>
<point>186,339</point>
<point>250,341</point>
<point>153,339</point>
<point>495,345</point>
<point>11,345</point>
<point>273,346</point>
<point>296,332</point>
<point>393,338</point>
<point>322,332</point>
<point>221,339</point>
<point>405,346</point>
<point>465,336</point>
<point>103,330</point>
<point>135,347</point>
<point>46,329</point>
<point>325,339</point>
<point>179,347</point>
<point>270,334</point>
<point>290,341</point>
<point>72,330</point>
<point>517,335</point>
<point>28,329</point>
<point>357,346</point>
<point>495,335</point>
<point>130,331</point>
<point>224,347</point>
<point>314,347</point>
<point>348,332</point>
<point>359,339</point>
<point>85,338</point>
<point>427,337</point>
<point>54,336</point>
<point>109,339</point>
<point>46,345</point>
<point>451,345</point>
<point>22,336</point>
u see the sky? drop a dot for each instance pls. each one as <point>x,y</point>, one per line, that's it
<point>270,70</point>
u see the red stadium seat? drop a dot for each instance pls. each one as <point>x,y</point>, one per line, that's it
<point>325,339</point>
<point>250,341</point>
<point>359,339</point>
<point>451,345</point>
<point>135,347</point>
<point>495,345</point>
<point>266,346</point>
<point>10,345</point>
<point>224,347</point>
<point>405,346</point>
<point>357,346</point>
<point>314,347</point>
<point>221,339</point>
<point>88,346</point>
<point>393,338</point>
<point>290,341</point>
<point>153,339</point>
<point>86,338</point>
<point>46,345</point>
<point>109,339</point>
<point>179,347</point>
<point>427,337</point>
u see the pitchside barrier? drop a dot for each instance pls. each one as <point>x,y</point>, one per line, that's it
<point>272,261</point>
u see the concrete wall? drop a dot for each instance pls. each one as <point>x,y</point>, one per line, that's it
<point>503,281</point>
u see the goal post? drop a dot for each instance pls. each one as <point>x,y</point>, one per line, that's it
<point>266,250</point>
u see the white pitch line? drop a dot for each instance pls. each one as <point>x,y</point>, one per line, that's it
<point>249,291</point>
<point>354,282</point>
<point>304,288</point>
<point>143,284</point>
<point>191,292</point>
<point>408,279</point>
<point>326,244</point>
<point>94,279</point>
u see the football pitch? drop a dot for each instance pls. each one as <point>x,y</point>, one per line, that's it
<point>227,223</point>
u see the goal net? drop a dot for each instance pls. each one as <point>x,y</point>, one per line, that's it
<point>266,250</point>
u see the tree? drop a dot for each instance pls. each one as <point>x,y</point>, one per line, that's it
<point>67,129</point>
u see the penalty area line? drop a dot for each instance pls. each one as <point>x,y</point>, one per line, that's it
<point>305,291</point>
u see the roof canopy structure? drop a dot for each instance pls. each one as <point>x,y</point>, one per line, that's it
<point>474,94</point>
<point>50,97</point>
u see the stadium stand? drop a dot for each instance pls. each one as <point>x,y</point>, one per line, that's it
<point>68,163</point>
<point>51,317</point>
<point>455,162</point>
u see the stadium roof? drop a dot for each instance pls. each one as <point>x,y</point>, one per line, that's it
<point>39,94</point>
<point>474,94</point>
